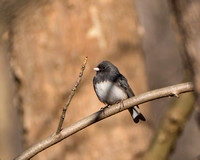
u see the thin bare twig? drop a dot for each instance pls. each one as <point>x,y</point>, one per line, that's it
<point>73,91</point>
<point>102,114</point>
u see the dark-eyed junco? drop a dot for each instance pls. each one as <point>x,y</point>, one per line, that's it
<point>112,87</point>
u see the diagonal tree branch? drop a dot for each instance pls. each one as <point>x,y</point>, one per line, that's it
<point>73,91</point>
<point>174,90</point>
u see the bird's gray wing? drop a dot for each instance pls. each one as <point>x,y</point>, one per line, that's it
<point>122,82</point>
<point>135,113</point>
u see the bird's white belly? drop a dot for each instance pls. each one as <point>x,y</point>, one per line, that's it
<point>109,93</point>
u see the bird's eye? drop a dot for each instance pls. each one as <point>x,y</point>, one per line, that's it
<point>103,68</point>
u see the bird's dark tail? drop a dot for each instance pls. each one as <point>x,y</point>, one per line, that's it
<point>136,115</point>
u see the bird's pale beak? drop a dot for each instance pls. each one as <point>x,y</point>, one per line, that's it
<point>96,69</point>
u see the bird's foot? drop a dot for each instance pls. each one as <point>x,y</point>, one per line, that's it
<point>121,105</point>
<point>102,108</point>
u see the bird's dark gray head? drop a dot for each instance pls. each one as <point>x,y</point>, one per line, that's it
<point>106,67</point>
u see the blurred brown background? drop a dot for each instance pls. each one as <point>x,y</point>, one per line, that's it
<point>42,46</point>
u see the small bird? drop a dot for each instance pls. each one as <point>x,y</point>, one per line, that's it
<point>112,87</point>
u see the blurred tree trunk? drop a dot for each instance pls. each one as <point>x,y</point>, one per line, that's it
<point>172,125</point>
<point>10,133</point>
<point>187,18</point>
<point>186,15</point>
<point>10,130</point>
<point>48,41</point>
